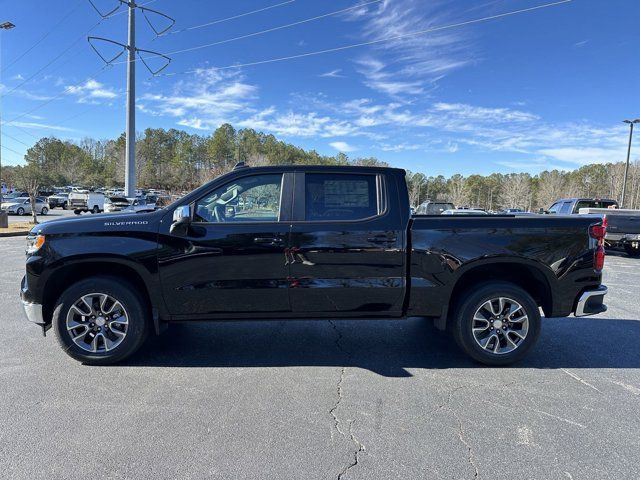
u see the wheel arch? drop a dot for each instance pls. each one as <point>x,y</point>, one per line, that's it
<point>527,275</point>
<point>74,271</point>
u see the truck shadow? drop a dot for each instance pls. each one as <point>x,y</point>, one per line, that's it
<point>387,347</point>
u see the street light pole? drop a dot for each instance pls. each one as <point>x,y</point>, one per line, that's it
<point>626,167</point>
<point>3,26</point>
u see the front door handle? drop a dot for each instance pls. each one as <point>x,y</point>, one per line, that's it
<point>267,241</point>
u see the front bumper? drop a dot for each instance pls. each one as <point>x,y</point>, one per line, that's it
<point>33,311</point>
<point>591,302</point>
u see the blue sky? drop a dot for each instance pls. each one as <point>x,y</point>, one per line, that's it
<point>536,90</point>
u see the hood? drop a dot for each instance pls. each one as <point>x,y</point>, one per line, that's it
<point>10,204</point>
<point>90,223</point>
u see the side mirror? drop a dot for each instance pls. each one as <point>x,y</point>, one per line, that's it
<point>181,220</point>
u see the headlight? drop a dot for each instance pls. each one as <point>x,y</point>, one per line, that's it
<point>34,243</point>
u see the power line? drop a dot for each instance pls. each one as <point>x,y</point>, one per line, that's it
<point>15,139</point>
<point>262,32</point>
<point>371,42</point>
<point>57,57</point>
<point>43,37</point>
<point>215,22</point>
<point>49,100</point>
<point>53,60</point>
<point>12,150</point>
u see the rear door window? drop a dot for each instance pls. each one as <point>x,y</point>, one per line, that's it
<point>565,208</point>
<point>340,196</point>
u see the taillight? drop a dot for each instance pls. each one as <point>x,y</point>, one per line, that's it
<point>598,258</point>
<point>599,232</point>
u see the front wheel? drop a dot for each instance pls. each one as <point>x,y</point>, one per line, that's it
<point>95,209</point>
<point>64,206</point>
<point>496,323</point>
<point>631,250</point>
<point>20,211</point>
<point>100,321</point>
<point>44,211</point>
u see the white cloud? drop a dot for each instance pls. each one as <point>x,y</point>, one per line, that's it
<point>205,101</point>
<point>309,124</point>
<point>584,156</point>
<point>91,91</point>
<point>332,74</point>
<point>343,147</point>
<point>411,65</point>
<point>460,111</point>
<point>42,126</point>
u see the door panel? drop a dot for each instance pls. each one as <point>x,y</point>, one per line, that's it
<point>232,259</point>
<point>229,269</point>
<point>346,266</point>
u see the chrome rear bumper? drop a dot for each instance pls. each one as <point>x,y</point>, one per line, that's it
<point>591,302</point>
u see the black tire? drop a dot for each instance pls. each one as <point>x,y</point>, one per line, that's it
<point>632,252</point>
<point>118,289</point>
<point>95,209</point>
<point>20,211</point>
<point>44,211</point>
<point>64,206</point>
<point>77,212</point>
<point>463,322</point>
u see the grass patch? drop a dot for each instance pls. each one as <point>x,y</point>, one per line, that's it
<point>18,227</point>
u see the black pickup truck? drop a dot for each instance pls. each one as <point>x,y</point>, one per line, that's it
<point>309,242</point>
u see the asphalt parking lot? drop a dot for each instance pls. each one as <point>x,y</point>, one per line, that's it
<point>324,400</point>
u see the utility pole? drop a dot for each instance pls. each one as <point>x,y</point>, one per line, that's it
<point>132,51</point>
<point>626,167</point>
<point>3,26</point>
<point>130,148</point>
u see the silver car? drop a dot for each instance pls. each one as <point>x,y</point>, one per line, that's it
<point>22,205</point>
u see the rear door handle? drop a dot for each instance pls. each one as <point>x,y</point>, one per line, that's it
<point>267,240</point>
<point>382,239</point>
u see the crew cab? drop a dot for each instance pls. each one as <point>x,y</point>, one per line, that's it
<point>309,242</point>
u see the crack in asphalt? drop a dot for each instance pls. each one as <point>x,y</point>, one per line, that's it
<point>359,446</point>
<point>461,436</point>
<point>460,431</point>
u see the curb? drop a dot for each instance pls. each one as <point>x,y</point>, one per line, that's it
<point>15,234</point>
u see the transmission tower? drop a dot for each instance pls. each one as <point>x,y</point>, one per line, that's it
<point>132,51</point>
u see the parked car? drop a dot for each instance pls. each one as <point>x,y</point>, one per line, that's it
<point>309,242</point>
<point>84,201</point>
<point>139,205</point>
<point>431,207</point>
<point>59,200</point>
<point>623,228</point>
<point>115,204</point>
<point>571,206</point>
<point>22,205</point>
<point>464,211</point>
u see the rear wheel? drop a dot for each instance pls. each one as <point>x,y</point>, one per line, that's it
<point>496,323</point>
<point>631,250</point>
<point>100,321</point>
<point>44,211</point>
<point>64,206</point>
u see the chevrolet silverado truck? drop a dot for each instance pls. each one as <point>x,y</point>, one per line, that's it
<point>309,242</point>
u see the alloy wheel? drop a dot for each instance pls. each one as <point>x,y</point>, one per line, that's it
<point>500,325</point>
<point>97,322</point>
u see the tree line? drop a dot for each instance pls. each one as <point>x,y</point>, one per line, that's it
<point>177,161</point>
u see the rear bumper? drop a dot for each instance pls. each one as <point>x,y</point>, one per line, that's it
<point>591,302</point>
